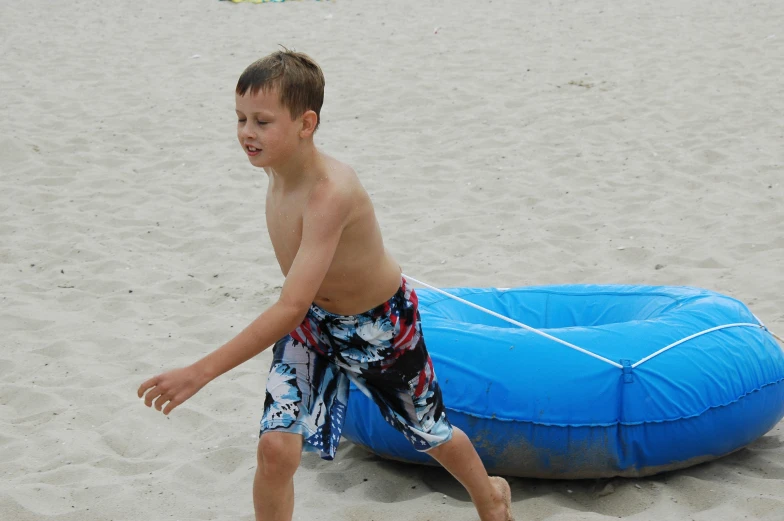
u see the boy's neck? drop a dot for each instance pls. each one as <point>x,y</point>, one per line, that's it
<point>305,164</point>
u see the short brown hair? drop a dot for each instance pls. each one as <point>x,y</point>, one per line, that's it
<point>298,79</point>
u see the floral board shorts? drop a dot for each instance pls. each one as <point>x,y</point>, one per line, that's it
<point>382,352</point>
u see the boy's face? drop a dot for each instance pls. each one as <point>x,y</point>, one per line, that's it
<point>265,128</point>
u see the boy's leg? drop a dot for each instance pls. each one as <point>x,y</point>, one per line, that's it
<point>278,457</point>
<point>304,404</point>
<point>491,496</point>
<point>385,356</point>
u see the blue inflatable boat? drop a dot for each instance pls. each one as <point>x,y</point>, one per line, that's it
<point>592,381</point>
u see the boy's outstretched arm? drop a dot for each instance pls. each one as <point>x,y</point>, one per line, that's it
<point>323,222</point>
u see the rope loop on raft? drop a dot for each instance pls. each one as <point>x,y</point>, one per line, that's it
<point>760,325</point>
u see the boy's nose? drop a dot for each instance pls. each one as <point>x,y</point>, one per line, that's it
<point>247,131</point>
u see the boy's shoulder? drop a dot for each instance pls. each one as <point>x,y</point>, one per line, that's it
<point>337,192</point>
<point>337,166</point>
<point>340,177</point>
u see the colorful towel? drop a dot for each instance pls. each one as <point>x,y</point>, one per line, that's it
<point>266,1</point>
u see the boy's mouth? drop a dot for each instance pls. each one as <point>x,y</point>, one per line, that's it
<point>252,151</point>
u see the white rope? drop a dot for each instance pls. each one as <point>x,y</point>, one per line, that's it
<point>663,349</point>
<point>515,322</point>
<point>774,335</point>
<point>585,351</point>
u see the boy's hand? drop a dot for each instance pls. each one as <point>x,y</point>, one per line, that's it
<point>173,386</point>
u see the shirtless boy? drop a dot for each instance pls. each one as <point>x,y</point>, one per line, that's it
<point>345,313</point>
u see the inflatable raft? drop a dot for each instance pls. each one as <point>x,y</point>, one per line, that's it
<point>592,381</point>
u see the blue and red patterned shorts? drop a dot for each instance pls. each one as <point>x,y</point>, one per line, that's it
<point>382,351</point>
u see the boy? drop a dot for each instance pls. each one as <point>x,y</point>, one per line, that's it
<point>344,313</point>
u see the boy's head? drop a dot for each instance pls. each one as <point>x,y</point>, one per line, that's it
<point>294,76</point>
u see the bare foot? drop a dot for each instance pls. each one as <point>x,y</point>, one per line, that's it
<point>502,486</point>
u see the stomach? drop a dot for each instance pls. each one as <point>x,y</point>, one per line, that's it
<point>353,291</point>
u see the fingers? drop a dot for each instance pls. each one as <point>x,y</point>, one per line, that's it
<point>172,404</point>
<point>162,399</point>
<point>152,382</point>
<point>155,395</point>
<point>152,395</point>
<point>168,390</point>
<point>151,390</point>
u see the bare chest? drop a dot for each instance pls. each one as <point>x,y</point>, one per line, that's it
<point>284,224</point>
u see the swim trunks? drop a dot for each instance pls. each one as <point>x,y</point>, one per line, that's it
<point>381,351</point>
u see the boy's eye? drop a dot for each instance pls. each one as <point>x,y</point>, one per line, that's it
<point>262,122</point>
<point>240,121</point>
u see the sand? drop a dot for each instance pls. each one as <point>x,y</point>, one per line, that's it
<point>504,143</point>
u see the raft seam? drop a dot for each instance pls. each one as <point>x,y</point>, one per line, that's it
<point>574,294</point>
<point>626,424</point>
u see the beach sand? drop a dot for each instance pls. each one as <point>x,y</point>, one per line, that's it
<point>504,143</point>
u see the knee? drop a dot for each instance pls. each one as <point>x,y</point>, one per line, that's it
<point>279,453</point>
<point>458,441</point>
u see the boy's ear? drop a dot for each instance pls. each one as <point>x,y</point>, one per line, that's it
<point>309,121</point>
